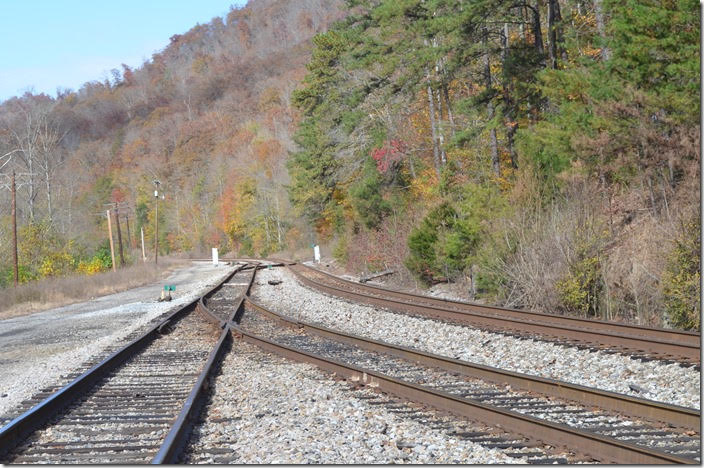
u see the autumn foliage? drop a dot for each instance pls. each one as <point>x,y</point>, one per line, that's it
<point>209,116</point>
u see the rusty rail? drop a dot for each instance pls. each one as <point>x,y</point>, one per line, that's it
<point>658,343</point>
<point>177,438</point>
<point>595,445</point>
<point>647,409</point>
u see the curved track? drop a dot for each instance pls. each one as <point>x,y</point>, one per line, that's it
<point>641,342</point>
<point>603,435</point>
<point>140,404</point>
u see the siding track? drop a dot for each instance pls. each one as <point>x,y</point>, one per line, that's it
<point>640,342</point>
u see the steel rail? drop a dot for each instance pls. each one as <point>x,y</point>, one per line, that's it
<point>23,425</point>
<point>236,310</point>
<point>594,445</point>
<point>668,348</point>
<point>677,416</point>
<point>176,439</point>
<point>658,333</point>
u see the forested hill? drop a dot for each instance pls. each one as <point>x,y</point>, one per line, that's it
<point>539,153</point>
<point>542,154</point>
<point>209,116</point>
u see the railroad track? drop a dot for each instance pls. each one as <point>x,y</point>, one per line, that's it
<point>223,432</point>
<point>639,342</point>
<point>226,299</point>
<point>126,415</point>
<point>449,385</point>
<point>131,408</point>
<point>66,379</point>
<point>141,403</point>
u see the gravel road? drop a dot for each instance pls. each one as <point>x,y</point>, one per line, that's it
<point>669,383</point>
<point>36,350</point>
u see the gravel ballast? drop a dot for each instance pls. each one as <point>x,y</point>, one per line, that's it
<point>668,383</point>
<point>269,410</point>
<point>36,350</point>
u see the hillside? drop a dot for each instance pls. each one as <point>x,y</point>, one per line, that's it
<point>538,154</point>
<point>542,154</point>
<point>206,115</point>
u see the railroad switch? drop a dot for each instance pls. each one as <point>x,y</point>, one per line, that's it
<point>166,293</point>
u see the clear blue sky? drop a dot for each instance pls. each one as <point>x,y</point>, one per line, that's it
<point>47,44</point>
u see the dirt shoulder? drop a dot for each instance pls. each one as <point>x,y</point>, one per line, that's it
<point>50,293</point>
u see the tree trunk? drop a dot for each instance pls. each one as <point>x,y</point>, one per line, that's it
<point>490,109</point>
<point>512,124</point>
<point>433,129</point>
<point>555,33</point>
<point>411,166</point>
<point>50,211</point>
<point>601,28</point>
<point>538,34</point>
<point>70,208</point>
<point>431,114</point>
<point>32,191</point>
<point>278,221</point>
<point>552,39</point>
<point>446,95</point>
<point>440,126</point>
<point>15,264</point>
<point>560,32</point>
<point>441,135</point>
<point>130,240</point>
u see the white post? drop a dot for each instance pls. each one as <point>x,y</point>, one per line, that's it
<point>215,256</point>
<point>144,257</point>
<point>316,253</point>
<point>112,247</point>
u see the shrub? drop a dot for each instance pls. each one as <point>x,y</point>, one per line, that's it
<point>57,264</point>
<point>366,197</point>
<point>103,255</point>
<point>681,279</point>
<point>101,261</point>
<point>340,251</point>
<point>24,274</point>
<point>90,267</point>
<point>580,289</point>
<point>451,237</point>
<point>440,246</point>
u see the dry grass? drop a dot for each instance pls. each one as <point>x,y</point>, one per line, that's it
<point>632,229</point>
<point>48,293</point>
<point>545,247</point>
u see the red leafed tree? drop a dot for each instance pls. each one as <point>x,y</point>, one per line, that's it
<point>389,155</point>
<point>118,195</point>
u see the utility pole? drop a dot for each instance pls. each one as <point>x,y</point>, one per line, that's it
<point>112,247</point>
<point>14,230</point>
<point>130,240</point>
<point>156,222</point>
<point>119,234</point>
